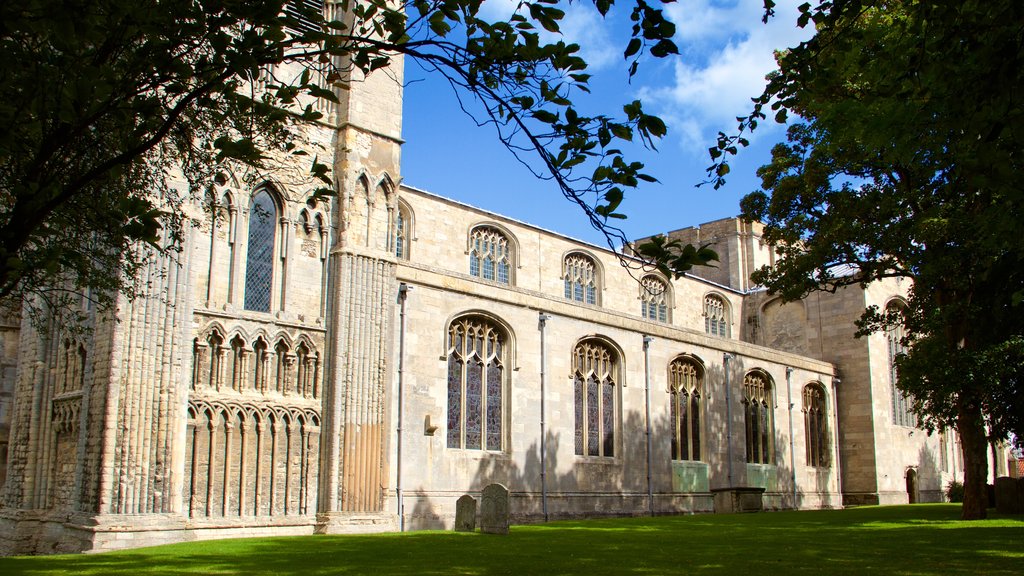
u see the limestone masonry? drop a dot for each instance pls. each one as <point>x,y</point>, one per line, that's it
<point>359,364</point>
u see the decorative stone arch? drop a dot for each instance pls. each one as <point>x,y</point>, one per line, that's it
<point>571,276</point>
<point>716,309</point>
<point>491,317</point>
<point>660,303</point>
<point>697,361</point>
<point>387,185</point>
<point>913,486</point>
<point>512,248</point>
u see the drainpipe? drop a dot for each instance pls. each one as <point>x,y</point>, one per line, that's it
<point>542,319</point>
<point>792,442</point>
<point>726,357</point>
<point>839,462</point>
<point>647,406</point>
<point>403,293</point>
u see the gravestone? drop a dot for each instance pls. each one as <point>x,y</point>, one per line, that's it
<point>465,514</point>
<point>1007,499</point>
<point>494,509</point>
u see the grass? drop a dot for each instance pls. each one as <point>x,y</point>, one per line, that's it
<point>919,539</point>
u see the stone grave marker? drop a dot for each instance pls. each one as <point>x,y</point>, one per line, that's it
<point>1007,501</point>
<point>465,514</point>
<point>494,510</point>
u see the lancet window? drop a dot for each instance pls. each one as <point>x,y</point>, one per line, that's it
<point>686,390</point>
<point>816,425</point>
<point>594,374</point>
<point>259,264</point>
<point>757,411</point>
<point>902,404</point>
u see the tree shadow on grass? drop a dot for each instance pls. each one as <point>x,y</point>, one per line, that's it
<point>922,539</point>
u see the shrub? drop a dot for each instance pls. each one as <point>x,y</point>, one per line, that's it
<point>955,491</point>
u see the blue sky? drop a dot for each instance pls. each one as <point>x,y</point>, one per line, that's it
<point>725,52</point>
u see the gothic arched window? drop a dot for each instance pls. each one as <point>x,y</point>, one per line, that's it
<point>403,225</point>
<point>594,374</point>
<point>654,299</point>
<point>902,415</point>
<point>685,386</point>
<point>259,263</point>
<point>716,316</point>
<point>757,416</point>
<point>581,278</point>
<point>816,425</point>
<point>476,382</point>
<point>490,256</point>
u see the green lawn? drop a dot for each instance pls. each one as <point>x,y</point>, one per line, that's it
<point>920,539</point>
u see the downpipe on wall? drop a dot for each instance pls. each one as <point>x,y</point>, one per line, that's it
<point>403,294</point>
<point>542,319</point>
<point>726,357</point>
<point>792,444</point>
<point>647,409</point>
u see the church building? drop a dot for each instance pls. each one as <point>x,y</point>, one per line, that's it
<point>358,364</point>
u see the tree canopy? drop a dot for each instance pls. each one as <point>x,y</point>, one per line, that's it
<point>103,99</point>
<point>905,162</point>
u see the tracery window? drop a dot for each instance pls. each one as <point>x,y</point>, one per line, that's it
<point>901,402</point>
<point>654,299</point>
<point>685,387</point>
<point>757,412</point>
<point>716,316</point>
<point>476,382</point>
<point>490,255</point>
<point>581,282</point>
<point>402,224</point>
<point>816,425</point>
<point>594,373</point>
<point>259,264</point>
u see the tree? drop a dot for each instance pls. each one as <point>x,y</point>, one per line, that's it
<point>906,163</point>
<point>102,99</point>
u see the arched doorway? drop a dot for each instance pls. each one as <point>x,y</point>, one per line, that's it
<point>911,486</point>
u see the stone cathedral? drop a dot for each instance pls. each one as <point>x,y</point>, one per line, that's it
<point>309,366</point>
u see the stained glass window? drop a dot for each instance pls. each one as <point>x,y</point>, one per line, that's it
<point>902,415</point>
<point>475,384</point>
<point>259,264</point>
<point>581,282</point>
<point>757,412</point>
<point>685,388</point>
<point>815,427</point>
<point>654,299</point>
<point>716,317</point>
<point>594,375</point>
<point>490,257</point>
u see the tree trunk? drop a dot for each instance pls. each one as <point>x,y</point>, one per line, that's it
<point>975,447</point>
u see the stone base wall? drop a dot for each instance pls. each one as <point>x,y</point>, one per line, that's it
<point>436,511</point>
<point>38,533</point>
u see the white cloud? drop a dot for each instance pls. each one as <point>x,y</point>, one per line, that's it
<point>726,53</point>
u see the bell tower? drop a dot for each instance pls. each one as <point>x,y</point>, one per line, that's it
<point>361,295</point>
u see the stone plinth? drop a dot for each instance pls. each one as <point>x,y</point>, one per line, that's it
<point>738,499</point>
